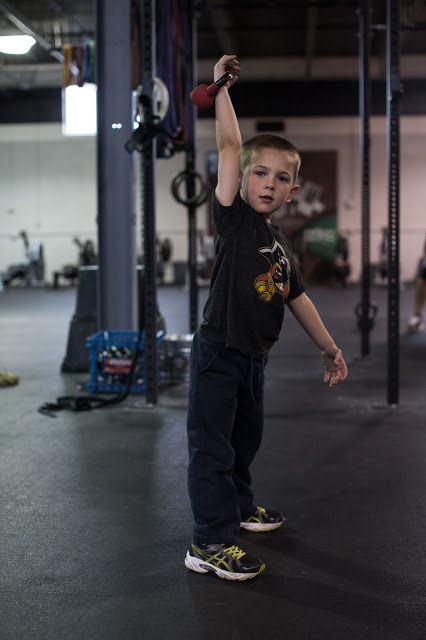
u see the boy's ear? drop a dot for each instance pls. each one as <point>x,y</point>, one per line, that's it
<point>295,188</point>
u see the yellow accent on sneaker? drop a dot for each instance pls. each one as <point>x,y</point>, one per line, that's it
<point>263,521</point>
<point>226,562</point>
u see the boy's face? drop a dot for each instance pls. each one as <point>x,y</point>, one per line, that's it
<point>268,182</point>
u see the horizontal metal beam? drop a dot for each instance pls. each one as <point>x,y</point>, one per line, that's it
<point>270,69</point>
<point>323,67</point>
<point>301,26</point>
<point>287,4</point>
<point>279,100</point>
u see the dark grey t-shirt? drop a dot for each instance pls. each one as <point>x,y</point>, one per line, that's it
<point>253,277</point>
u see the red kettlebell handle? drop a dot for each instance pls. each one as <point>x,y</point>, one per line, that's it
<point>203,95</point>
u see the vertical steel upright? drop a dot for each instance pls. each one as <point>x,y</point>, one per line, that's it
<point>393,89</point>
<point>117,309</point>
<point>365,112</point>
<point>190,159</point>
<point>148,32</point>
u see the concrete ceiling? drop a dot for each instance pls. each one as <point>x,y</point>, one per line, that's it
<point>299,56</point>
<point>292,39</point>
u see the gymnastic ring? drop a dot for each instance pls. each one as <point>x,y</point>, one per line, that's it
<point>199,198</point>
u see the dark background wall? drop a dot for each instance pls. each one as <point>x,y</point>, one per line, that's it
<point>251,99</point>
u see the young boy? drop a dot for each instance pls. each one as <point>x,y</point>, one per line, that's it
<point>253,278</point>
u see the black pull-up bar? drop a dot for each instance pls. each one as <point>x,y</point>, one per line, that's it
<point>149,153</point>
<point>394,92</point>
<point>365,309</point>
<point>365,112</point>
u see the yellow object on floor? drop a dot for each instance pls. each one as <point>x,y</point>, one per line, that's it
<point>8,379</point>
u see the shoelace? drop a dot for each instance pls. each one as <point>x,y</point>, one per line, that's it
<point>235,551</point>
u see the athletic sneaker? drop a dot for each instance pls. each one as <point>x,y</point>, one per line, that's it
<point>415,324</point>
<point>226,561</point>
<point>263,520</point>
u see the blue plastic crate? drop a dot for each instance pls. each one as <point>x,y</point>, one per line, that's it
<point>110,358</point>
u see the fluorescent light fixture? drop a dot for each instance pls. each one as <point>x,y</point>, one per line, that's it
<point>79,110</point>
<point>16,45</point>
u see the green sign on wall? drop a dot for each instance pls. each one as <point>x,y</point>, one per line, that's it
<point>320,237</point>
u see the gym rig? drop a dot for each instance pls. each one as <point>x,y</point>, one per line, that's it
<point>114,174</point>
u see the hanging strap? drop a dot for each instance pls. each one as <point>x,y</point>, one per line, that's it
<point>79,403</point>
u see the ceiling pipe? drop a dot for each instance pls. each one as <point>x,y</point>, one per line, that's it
<point>61,11</point>
<point>222,27</point>
<point>311,32</point>
<point>24,25</point>
<point>285,4</point>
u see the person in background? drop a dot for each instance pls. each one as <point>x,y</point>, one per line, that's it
<point>416,323</point>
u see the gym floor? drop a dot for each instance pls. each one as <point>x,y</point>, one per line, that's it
<point>95,519</point>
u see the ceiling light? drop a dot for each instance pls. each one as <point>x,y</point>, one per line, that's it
<point>16,45</point>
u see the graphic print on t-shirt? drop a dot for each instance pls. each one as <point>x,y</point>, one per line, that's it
<point>277,279</point>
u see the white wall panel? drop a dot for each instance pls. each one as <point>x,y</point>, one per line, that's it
<point>47,186</point>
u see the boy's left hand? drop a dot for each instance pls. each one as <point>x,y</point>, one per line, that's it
<point>335,369</point>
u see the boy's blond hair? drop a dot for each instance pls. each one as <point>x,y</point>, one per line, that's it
<point>270,141</point>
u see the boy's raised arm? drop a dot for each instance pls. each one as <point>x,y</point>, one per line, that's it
<point>228,136</point>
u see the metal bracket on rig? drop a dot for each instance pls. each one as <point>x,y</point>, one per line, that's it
<point>366,321</point>
<point>149,128</point>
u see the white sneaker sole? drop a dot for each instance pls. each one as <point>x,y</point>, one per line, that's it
<point>200,566</point>
<point>259,527</point>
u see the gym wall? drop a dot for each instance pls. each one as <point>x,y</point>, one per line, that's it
<point>47,187</point>
<point>341,134</point>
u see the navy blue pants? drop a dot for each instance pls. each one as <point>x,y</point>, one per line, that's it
<point>225,424</point>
